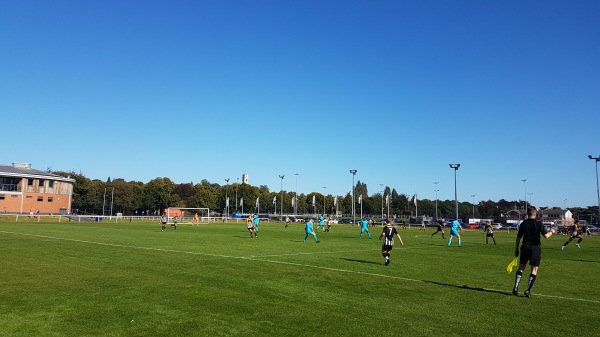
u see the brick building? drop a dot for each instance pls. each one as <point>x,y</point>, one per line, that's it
<point>25,190</point>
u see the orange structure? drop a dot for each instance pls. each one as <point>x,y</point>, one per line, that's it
<point>25,190</point>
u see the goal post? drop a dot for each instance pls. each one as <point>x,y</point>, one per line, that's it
<point>188,215</point>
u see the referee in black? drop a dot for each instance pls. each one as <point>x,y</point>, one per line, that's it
<point>531,250</point>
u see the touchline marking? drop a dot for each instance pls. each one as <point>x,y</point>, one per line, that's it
<point>315,253</point>
<point>279,262</point>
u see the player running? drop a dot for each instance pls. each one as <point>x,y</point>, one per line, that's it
<point>174,224</point>
<point>388,243</point>
<point>364,227</point>
<point>489,232</point>
<point>196,219</point>
<point>321,223</point>
<point>439,229</point>
<point>308,228</point>
<point>256,221</point>
<point>250,227</point>
<point>163,221</point>
<point>454,232</point>
<point>576,233</point>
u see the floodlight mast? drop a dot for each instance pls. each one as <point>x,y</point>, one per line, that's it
<point>597,159</point>
<point>281,192</point>
<point>455,167</point>
<point>353,210</point>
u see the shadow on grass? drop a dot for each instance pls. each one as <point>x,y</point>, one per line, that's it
<point>586,261</point>
<point>362,261</point>
<point>466,287</point>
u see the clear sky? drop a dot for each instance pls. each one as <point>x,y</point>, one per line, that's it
<point>397,90</point>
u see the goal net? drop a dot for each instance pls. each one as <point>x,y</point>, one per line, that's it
<point>193,216</point>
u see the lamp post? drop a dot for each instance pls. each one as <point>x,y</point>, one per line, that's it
<point>525,184</point>
<point>455,167</point>
<point>436,200</point>
<point>565,209</point>
<point>324,187</point>
<point>237,185</point>
<point>381,200</point>
<point>473,204</point>
<point>226,196</point>
<point>296,195</point>
<point>281,192</point>
<point>529,194</point>
<point>353,214</point>
<point>597,159</point>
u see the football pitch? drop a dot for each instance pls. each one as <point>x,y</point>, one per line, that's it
<point>132,279</point>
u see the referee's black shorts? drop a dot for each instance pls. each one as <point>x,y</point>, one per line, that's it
<point>533,254</point>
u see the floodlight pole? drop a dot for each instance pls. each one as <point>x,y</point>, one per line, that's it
<point>381,200</point>
<point>473,204</point>
<point>353,211</point>
<point>281,192</point>
<point>226,203</point>
<point>436,200</point>
<point>455,167</point>
<point>296,195</point>
<point>324,187</point>
<point>597,159</point>
<point>525,184</point>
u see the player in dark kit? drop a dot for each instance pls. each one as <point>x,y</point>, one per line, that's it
<point>439,229</point>
<point>388,242</point>
<point>489,233</point>
<point>531,250</point>
<point>577,233</point>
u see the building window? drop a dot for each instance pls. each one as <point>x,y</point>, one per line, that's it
<point>40,198</point>
<point>29,182</point>
<point>2,196</point>
<point>28,197</point>
<point>50,199</point>
<point>41,184</point>
<point>51,183</point>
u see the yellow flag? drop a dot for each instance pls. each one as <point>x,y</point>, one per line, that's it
<point>512,264</point>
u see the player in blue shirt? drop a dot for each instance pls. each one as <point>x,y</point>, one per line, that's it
<point>321,223</point>
<point>364,227</point>
<point>454,232</point>
<point>256,222</point>
<point>308,228</point>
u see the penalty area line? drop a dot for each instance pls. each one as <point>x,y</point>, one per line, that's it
<point>339,270</point>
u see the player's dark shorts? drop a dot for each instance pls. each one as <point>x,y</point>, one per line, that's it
<point>489,234</point>
<point>386,247</point>
<point>533,254</point>
<point>163,222</point>
<point>575,234</point>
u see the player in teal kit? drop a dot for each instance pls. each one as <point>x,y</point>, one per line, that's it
<point>256,222</point>
<point>321,223</point>
<point>454,232</point>
<point>308,228</point>
<point>364,227</point>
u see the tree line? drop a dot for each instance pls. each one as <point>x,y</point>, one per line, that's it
<point>134,197</point>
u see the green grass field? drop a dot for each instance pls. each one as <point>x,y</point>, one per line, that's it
<point>131,279</point>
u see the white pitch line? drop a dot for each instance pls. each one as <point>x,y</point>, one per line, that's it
<point>280,262</point>
<point>315,253</point>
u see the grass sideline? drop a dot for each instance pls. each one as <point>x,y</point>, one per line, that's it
<point>131,279</point>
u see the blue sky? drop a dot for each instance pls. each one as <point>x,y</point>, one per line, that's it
<point>195,90</point>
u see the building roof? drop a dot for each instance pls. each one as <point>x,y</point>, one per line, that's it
<point>18,170</point>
